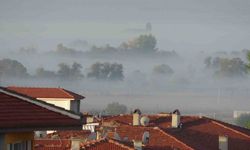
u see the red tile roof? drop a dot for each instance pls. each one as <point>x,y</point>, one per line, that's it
<point>197,132</point>
<point>55,144</point>
<point>68,134</point>
<point>105,144</point>
<point>62,140</point>
<point>127,119</point>
<point>18,112</point>
<point>203,133</point>
<point>40,92</point>
<point>159,140</point>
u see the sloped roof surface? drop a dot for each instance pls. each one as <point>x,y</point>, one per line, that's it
<point>19,114</point>
<point>56,144</point>
<point>41,92</point>
<point>105,144</point>
<point>197,132</point>
<point>68,134</point>
<point>158,139</point>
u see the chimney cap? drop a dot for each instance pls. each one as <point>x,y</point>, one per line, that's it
<point>177,112</point>
<point>137,111</point>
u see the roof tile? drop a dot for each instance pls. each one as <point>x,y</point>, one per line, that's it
<point>41,92</point>
<point>16,113</point>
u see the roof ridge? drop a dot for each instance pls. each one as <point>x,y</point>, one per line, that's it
<point>29,90</point>
<point>49,139</point>
<point>33,87</point>
<point>65,91</point>
<point>224,126</point>
<point>174,138</point>
<point>92,142</point>
<point>120,144</point>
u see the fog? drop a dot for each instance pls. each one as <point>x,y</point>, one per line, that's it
<point>181,25</point>
<point>194,30</point>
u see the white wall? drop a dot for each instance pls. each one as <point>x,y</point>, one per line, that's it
<point>60,102</point>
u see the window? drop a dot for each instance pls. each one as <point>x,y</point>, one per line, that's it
<point>25,145</point>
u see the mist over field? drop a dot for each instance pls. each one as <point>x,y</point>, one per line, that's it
<point>154,55</point>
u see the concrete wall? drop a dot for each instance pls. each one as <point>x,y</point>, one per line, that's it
<point>68,104</point>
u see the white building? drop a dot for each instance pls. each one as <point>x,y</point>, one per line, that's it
<point>57,96</point>
<point>239,113</point>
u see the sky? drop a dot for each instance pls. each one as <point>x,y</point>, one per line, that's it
<point>186,26</point>
<point>181,25</point>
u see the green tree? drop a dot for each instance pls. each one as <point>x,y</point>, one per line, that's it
<point>115,109</point>
<point>243,121</point>
<point>248,58</point>
<point>67,72</point>
<point>64,70</point>
<point>106,71</point>
<point>12,68</point>
<point>61,49</point>
<point>76,70</point>
<point>163,69</point>
<point>42,73</point>
<point>144,43</point>
<point>234,67</point>
<point>107,49</point>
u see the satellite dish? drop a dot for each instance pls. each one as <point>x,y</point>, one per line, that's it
<point>145,137</point>
<point>144,121</point>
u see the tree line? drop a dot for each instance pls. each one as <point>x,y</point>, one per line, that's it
<point>145,44</point>
<point>227,67</point>
<point>100,71</point>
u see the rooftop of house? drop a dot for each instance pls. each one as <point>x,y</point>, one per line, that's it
<point>159,140</point>
<point>106,144</point>
<point>69,134</point>
<point>19,112</point>
<point>195,133</point>
<point>55,144</point>
<point>42,92</point>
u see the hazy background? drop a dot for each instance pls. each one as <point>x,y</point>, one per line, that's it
<point>193,29</point>
<point>180,25</point>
